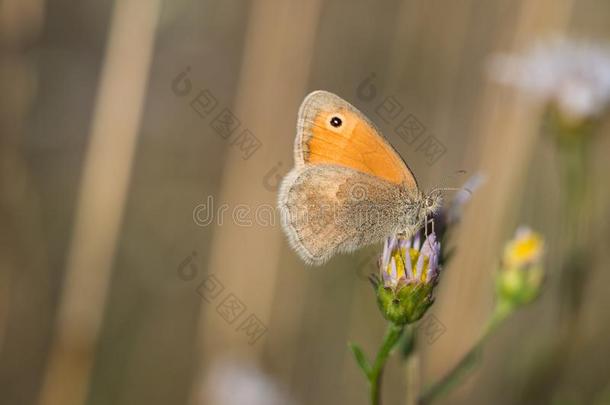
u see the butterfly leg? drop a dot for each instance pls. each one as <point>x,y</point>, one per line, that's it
<point>431,222</point>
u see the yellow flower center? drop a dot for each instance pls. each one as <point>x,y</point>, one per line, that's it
<point>523,250</point>
<point>400,256</point>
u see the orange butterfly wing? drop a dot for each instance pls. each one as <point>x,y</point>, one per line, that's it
<point>332,131</point>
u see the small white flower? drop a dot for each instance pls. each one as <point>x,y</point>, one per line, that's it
<point>573,75</point>
<point>233,382</point>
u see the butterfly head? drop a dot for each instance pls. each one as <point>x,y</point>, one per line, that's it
<point>427,205</point>
<point>417,210</point>
<point>431,203</point>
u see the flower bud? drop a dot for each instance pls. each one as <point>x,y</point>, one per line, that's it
<point>520,276</point>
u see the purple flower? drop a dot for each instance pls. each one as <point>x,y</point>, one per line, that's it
<point>408,270</point>
<point>408,261</point>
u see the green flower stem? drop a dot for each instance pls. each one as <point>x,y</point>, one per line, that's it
<point>392,337</point>
<point>470,359</point>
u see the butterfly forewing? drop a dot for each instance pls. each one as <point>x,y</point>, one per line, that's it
<point>332,131</point>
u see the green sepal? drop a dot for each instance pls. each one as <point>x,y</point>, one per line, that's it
<point>405,305</point>
<point>518,286</point>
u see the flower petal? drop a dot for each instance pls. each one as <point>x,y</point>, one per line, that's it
<point>385,257</point>
<point>408,265</point>
<point>393,272</point>
<point>419,267</point>
<point>417,241</point>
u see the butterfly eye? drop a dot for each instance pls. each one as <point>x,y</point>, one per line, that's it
<point>336,122</point>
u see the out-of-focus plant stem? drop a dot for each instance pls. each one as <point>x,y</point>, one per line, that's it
<point>412,370</point>
<point>572,151</point>
<point>467,363</point>
<point>572,143</point>
<point>410,355</point>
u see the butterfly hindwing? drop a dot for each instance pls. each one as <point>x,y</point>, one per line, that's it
<point>327,209</point>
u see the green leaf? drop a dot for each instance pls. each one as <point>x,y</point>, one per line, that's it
<point>360,358</point>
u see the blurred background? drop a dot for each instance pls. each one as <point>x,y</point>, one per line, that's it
<point>141,145</point>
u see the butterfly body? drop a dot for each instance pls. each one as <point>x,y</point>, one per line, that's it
<point>349,188</point>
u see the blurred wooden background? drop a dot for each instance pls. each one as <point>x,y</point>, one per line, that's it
<point>102,159</point>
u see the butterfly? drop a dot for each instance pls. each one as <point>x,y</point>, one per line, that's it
<point>349,187</point>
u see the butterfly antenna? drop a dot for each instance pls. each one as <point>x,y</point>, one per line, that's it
<point>451,189</point>
<point>453,177</point>
<point>455,174</point>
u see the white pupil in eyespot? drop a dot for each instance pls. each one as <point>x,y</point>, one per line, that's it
<point>336,122</point>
